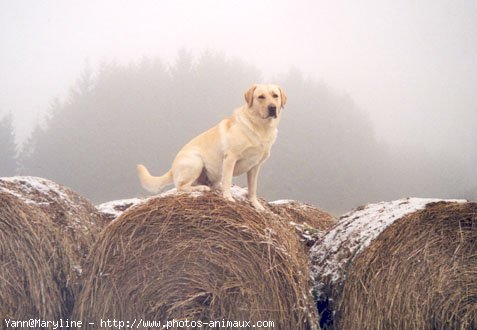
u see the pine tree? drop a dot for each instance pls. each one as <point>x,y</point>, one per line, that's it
<point>7,147</point>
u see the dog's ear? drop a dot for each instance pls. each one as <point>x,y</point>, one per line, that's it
<point>283,97</point>
<point>249,95</point>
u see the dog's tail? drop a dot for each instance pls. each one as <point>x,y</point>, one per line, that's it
<point>151,183</point>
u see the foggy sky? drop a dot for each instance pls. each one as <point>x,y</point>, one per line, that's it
<point>412,65</point>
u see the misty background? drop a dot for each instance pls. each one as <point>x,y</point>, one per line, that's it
<point>382,101</point>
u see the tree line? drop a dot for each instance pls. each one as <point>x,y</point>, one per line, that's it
<point>326,152</point>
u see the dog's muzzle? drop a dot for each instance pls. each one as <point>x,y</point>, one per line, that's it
<point>272,111</point>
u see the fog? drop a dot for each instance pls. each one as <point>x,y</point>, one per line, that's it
<point>404,72</point>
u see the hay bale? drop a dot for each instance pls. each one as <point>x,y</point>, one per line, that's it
<point>74,216</point>
<point>31,272</point>
<point>197,258</point>
<point>72,221</point>
<point>309,221</point>
<point>407,264</point>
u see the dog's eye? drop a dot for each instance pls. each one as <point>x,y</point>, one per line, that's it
<point>261,97</point>
<point>275,96</point>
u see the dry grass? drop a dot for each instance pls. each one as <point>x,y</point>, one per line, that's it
<point>304,214</point>
<point>420,273</point>
<point>309,221</point>
<point>32,282</point>
<point>200,258</point>
<point>64,225</point>
<point>74,216</point>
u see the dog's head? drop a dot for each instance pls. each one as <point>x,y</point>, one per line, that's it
<point>265,101</point>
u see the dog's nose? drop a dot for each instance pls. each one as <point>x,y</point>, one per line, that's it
<point>272,110</point>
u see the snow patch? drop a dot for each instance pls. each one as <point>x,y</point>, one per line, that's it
<point>291,203</point>
<point>114,209</point>
<point>28,189</point>
<point>282,202</point>
<point>353,233</point>
<point>175,192</point>
<point>239,193</point>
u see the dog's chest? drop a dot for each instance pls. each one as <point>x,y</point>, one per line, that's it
<point>250,158</point>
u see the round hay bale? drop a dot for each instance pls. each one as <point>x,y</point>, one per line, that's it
<point>421,273</point>
<point>31,276</point>
<point>309,221</point>
<point>73,218</point>
<point>198,257</point>
<point>408,264</point>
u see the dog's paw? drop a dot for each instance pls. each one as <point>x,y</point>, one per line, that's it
<point>228,196</point>
<point>202,188</point>
<point>257,205</point>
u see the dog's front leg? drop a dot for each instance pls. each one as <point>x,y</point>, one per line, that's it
<point>227,175</point>
<point>252,176</point>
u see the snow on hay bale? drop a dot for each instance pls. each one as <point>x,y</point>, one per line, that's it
<point>112,210</point>
<point>31,264</point>
<point>201,258</point>
<point>303,214</point>
<point>72,221</point>
<point>309,221</point>
<point>407,264</point>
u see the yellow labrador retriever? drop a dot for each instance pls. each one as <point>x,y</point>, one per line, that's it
<point>238,144</point>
